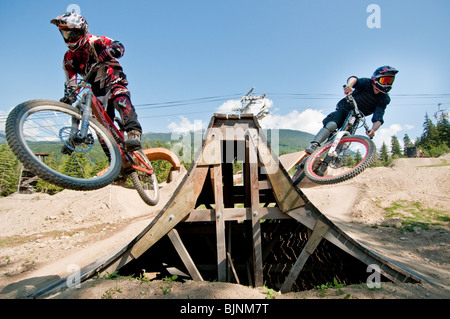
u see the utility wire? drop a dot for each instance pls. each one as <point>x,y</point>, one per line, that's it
<point>293,96</point>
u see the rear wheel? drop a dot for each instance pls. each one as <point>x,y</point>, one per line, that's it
<point>355,154</point>
<point>39,134</point>
<point>146,184</point>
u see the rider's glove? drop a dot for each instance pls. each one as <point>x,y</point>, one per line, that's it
<point>105,55</point>
<point>108,54</point>
<point>68,100</point>
<point>68,97</point>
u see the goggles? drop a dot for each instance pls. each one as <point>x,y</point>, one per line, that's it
<point>72,35</point>
<point>386,80</point>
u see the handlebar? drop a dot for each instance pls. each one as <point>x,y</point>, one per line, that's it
<point>357,112</point>
<point>86,78</point>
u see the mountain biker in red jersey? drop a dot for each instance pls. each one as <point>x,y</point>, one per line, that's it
<point>371,96</point>
<point>109,83</point>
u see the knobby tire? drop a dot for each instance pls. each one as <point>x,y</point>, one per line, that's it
<point>32,127</point>
<point>145,184</point>
<point>350,172</point>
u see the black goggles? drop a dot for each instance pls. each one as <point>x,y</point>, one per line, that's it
<point>72,35</point>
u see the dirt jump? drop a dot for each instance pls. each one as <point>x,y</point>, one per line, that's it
<point>400,211</point>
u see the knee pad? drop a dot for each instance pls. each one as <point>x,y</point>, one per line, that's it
<point>331,126</point>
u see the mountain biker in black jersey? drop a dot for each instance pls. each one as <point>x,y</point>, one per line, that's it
<point>371,96</point>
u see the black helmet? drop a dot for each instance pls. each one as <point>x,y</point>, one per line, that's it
<point>383,77</point>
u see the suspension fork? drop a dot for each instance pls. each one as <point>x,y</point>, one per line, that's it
<point>85,102</point>
<point>332,151</point>
<point>84,106</point>
<point>331,154</point>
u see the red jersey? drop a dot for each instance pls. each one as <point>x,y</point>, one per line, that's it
<point>109,80</point>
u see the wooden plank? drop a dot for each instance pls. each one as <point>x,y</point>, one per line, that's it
<point>318,233</point>
<point>211,152</point>
<point>293,159</point>
<point>301,215</point>
<point>239,214</point>
<point>230,261</point>
<point>285,193</point>
<point>216,176</point>
<point>180,206</point>
<point>256,225</point>
<point>184,255</point>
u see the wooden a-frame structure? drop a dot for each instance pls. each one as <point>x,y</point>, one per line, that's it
<point>207,193</point>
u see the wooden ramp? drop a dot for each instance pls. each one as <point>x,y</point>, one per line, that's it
<point>207,194</point>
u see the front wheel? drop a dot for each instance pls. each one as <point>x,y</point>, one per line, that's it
<point>146,184</point>
<point>40,134</point>
<point>355,154</point>
<point>299,174</point>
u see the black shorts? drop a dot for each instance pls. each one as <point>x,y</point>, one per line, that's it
<point>338,116</point>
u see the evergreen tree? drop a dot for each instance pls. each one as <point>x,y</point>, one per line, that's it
<point>406,143</point>
<point>435,139</point>
<point>384,155</point>
<point>443,131</point>
<point>76,165</point>
<point>358,157</point>
<point>396,150</point>
<point>430,135</point>
<point>9,170</point>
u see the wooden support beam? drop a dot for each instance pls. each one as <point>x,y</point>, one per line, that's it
<point>181,204</point>
<point>239,214</point>
<point>184,255</point>
<point>285,193</point>
<point>216,177</point>
<point>256,225</point>
<point>232,268</point>
<point>318,233</point>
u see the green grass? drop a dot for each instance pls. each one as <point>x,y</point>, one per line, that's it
<point>443,163</point>
<point>414,215</point>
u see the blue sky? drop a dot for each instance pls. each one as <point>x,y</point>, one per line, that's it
<point>300,53</point>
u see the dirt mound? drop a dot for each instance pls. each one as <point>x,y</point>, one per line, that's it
<point>44,237</point>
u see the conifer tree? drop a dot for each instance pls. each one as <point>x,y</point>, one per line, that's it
<point>384,155</point>
<point>9,171</point>
<point>396,150</point>
<point>406,143</point>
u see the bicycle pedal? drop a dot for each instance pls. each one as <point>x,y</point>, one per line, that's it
<point>321,169</point>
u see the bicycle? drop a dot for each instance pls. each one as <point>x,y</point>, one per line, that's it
<point>343,156</point>
<point>87,150</point>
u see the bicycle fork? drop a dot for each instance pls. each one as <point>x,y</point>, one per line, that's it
<point>79,134</point>
<point>332,152</point>
<point>85,107</point>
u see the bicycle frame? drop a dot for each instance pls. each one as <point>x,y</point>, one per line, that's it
<point>351,124</point>
<point>90,104</point>
<point>334,150</point>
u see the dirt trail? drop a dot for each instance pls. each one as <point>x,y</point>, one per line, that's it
<point>44,236</point>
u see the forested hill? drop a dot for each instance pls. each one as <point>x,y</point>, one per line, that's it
<point>289,140</point>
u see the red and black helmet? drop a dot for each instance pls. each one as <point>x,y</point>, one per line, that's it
<point>383,77</point>
<point>73,28</point>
